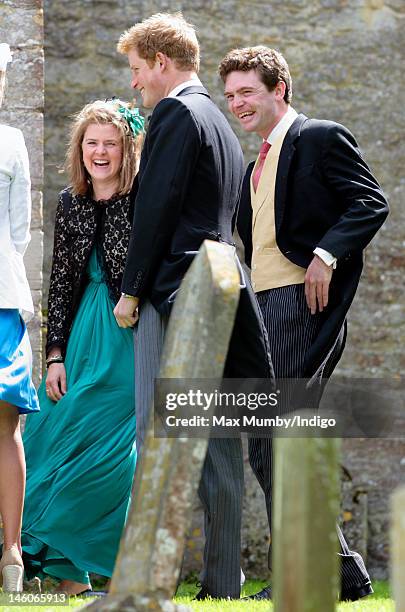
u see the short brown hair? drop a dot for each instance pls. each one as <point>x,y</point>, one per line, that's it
<point>2,85</point>
<point>167,33</point>
<point>269,64</point>
<point>102,113</point>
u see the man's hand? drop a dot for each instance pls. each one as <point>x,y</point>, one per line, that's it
<point>317,281</point>
<point>126,311</point>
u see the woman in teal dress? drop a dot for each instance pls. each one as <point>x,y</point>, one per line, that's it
<point>81,446</point>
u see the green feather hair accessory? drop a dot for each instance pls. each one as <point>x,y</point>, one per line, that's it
<point>131,115</point>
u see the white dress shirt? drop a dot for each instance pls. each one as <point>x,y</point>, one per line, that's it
<point>285,123</point>
<point>192,82</point>
<point>15,217</point>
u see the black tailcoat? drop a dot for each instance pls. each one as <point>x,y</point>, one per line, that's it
<point>188,188</point>
<point>325,196</point>
<point>189,182</point>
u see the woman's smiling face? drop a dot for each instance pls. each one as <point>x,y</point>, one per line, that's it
<point>102,152</point>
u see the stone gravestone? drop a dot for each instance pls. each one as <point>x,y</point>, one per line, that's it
<point>398,549</point>
<point>306,504</point>
<point>169,469</point>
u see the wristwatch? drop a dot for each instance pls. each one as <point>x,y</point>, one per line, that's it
<point>127,295</point>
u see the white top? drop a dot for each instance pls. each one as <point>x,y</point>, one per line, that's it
<point>5,56</point>
<point>283,125</point>
<point>15,217</point>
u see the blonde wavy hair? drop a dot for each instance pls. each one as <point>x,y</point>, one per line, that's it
<point>167,33</point>
<point>100,112</point>
<point>2,85</point>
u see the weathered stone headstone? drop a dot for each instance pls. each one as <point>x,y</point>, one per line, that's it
<point>398,549</point>
<point>169,470</point>
<point>306,505</point>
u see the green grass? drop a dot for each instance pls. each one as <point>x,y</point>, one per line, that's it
<point>187,591</point>
<point>379,602</point>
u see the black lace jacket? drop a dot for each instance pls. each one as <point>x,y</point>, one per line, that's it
<point>78,227</point>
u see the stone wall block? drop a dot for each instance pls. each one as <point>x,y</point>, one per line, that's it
<point>33,260</point>
<point>398,548</point>
<point>21,26</point>
<point>36,215</point>
<point>21,23</point>
<point>28,72</point>
<point>35,333</point>
<point>31,124</point>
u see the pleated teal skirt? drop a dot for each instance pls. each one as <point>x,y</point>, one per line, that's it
<point>81,451</point>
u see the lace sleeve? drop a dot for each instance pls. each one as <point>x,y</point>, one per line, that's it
<point>61,286</point>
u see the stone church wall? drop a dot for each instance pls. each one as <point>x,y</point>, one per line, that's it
<point>21,26</point>
<point>345,59</point>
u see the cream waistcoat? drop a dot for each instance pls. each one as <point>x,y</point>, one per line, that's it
<point>270,268</point>
<point>15,215</point>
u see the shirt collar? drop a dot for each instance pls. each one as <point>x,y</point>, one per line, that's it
<point>283,125</point>
<point>174,92</point>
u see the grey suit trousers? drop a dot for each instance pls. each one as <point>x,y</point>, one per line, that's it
<point>221,485</point>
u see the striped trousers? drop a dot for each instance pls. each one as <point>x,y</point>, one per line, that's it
<point>221,485</point>
<point>291,330</point>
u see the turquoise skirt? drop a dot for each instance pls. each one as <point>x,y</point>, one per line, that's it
<point>16,385</point>
<point>81,451</point>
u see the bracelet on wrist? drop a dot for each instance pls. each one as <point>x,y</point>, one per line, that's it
<point>56,359</point>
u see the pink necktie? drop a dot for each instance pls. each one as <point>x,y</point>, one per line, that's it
<point>264,149</point>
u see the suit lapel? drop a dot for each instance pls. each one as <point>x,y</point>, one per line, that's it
<point>144,155</point>
<point>244,218</point>
<point>143,160</point>
<point>283,168</point>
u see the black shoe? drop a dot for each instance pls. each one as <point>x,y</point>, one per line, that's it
<point>356,592</point>
<point>265,593</point>
<point>90,593</point>
<point>204,594</point>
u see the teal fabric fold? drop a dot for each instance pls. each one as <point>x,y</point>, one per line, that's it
<point>80,451</point>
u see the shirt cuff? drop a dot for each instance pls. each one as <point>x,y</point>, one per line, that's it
<point>128,295</point>
<point>326,257</point>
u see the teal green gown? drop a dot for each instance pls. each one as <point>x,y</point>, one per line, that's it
<point>81,451</point>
